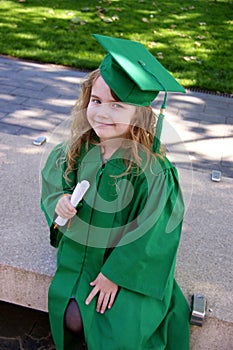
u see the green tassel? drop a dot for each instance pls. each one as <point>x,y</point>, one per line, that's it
<point>159,126</point>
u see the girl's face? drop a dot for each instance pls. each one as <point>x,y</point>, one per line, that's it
<point>109,118</point>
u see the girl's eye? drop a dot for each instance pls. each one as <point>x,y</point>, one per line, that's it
<point>117,105</point>
<point>95,101</point>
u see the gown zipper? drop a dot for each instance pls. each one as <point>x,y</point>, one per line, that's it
<point>99,175</point>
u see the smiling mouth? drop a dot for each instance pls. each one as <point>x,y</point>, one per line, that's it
<point>103,125</point>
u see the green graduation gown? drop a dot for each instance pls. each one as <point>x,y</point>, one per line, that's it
<point>127,227</point>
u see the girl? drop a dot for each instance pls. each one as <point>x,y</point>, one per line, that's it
<point>114,285</point>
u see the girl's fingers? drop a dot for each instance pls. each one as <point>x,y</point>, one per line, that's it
<point>93,293</point>
<point>112,299</point>
<point>66,205</point>
<point>107,292</point>
<point>64,208</point>
<point>68,212</point>
<point>93,283</point>
<point>104,304</point>
<point>100,301</point>
<point>104,301</point>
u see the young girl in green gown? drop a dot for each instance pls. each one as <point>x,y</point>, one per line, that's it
<point>114,286</point>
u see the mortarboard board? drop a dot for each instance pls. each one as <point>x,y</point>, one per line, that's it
<point>134,74</point>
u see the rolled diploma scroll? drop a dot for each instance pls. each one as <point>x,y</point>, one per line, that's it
<point>79,191</point>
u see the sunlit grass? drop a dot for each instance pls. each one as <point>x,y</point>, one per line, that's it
<point>191,38</point>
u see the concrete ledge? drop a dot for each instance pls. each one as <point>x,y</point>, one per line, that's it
<point>205,259</point>
<point>25,288</point>
<point>27,261</point>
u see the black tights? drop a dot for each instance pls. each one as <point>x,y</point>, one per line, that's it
<point>73,319</point>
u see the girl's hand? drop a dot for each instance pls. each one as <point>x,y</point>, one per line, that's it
<point>107,292</point>
<point>64,208</point>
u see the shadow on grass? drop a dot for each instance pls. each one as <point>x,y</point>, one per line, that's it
<point>185,36</point>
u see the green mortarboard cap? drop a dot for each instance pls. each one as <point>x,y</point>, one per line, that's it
<point>133,73</point>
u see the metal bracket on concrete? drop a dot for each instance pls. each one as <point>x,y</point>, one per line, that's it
<point>198,309</point>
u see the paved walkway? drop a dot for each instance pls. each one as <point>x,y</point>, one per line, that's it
<point>36,99</point>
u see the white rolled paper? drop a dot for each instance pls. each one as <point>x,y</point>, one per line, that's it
<point>79,191</point>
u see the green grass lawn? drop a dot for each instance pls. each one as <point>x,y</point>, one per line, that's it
<point>192,39</point>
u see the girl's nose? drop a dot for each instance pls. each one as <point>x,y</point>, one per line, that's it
<point>103,111</point>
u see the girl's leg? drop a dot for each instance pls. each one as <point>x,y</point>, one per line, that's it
<point>73,319</point>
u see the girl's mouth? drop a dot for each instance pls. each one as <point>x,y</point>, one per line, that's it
<point>103,125</point>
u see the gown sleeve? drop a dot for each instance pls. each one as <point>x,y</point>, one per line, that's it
<point>53,187</point>
<point>146,265</point>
